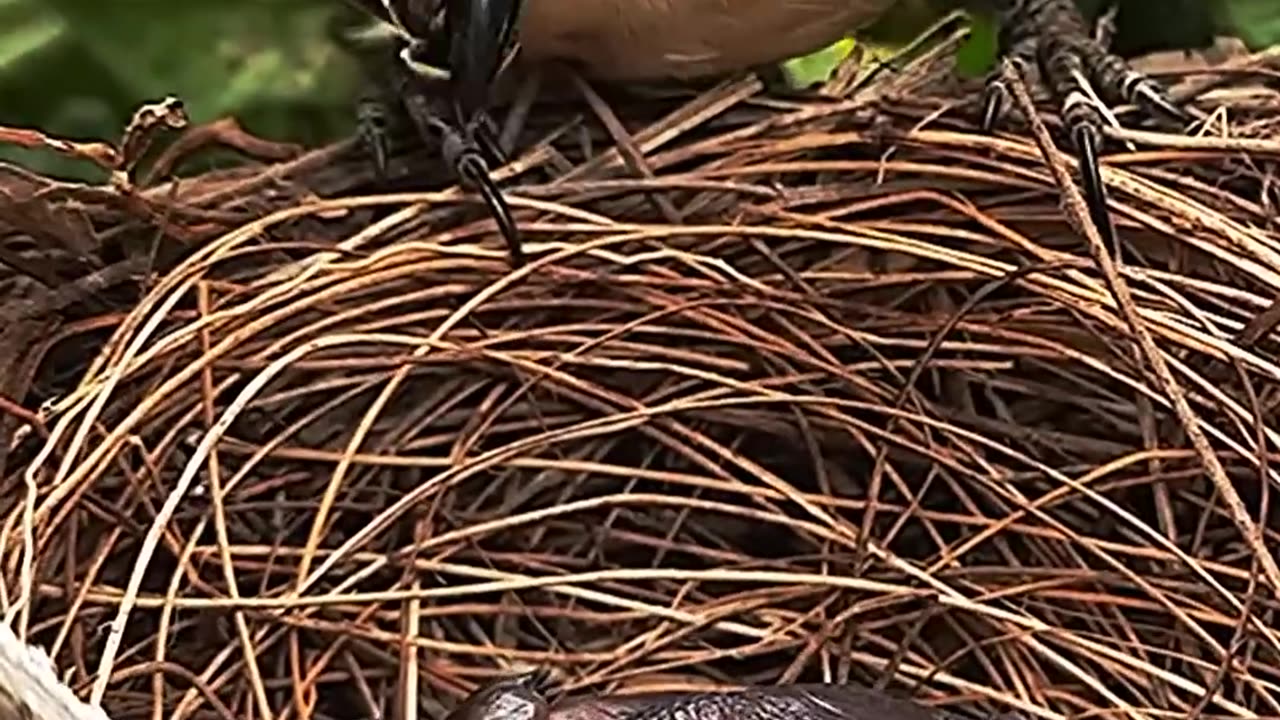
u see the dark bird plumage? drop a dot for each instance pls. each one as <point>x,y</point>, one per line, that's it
<point>523,698</point>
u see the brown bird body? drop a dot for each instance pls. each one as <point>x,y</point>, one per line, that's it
<point>684,39</point>
<point>643,40</point>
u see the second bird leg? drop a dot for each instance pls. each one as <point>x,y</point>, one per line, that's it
<point>373,131</point>
<point>1083,74</point>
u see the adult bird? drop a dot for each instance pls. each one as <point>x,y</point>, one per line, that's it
<point>650,40</point>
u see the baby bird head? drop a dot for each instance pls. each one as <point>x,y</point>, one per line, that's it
<point>523,697</point>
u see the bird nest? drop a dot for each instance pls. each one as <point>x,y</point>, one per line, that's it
<point>794,389</point>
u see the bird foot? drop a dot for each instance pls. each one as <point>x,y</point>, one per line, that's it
<point>470,150</point>
<point>1084,76</point>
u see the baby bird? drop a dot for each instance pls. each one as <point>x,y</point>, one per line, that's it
<point>524,698</point>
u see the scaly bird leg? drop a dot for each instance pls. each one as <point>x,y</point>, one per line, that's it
<point>372,127</point>
<point>1053,35</point>
<point>480,34</point>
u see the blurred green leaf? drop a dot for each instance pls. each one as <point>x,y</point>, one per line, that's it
<point>217,56</point>
<point>1256,22</point>
<point>27,29</point>
<point>78,68</point>
<point>977,55</point>
<point>816,68</point>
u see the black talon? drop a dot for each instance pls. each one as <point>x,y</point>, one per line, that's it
<point>1053,35</point>
<point>541,681</point>
<point>461,151</point>
<point>480,33</point>
<point>477,36</point>
<point>486,136</point>
<point>1120,83</point>
<point>995,100</point>
<point>996,97</point>
<point>1146,94</point>
<point>1085,138</point>
<point>472,168</point>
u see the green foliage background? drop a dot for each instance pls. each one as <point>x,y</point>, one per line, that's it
<point>78,68</point>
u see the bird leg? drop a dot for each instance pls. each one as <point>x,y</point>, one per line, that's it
<point>373,131</point>
<point>473,39</point>
<point>479,35</point>
<point>1082,74</point>
<point>469,151</point>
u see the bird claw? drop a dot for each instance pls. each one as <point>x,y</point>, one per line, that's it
<point>486,136</point>
<point>995,100</point>
<point>477,35</point>
<point>1154,101</point>
<point>463,150</point>
<point>1053,36</point>
<point>471,167</point>
<point>1085,138</point>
